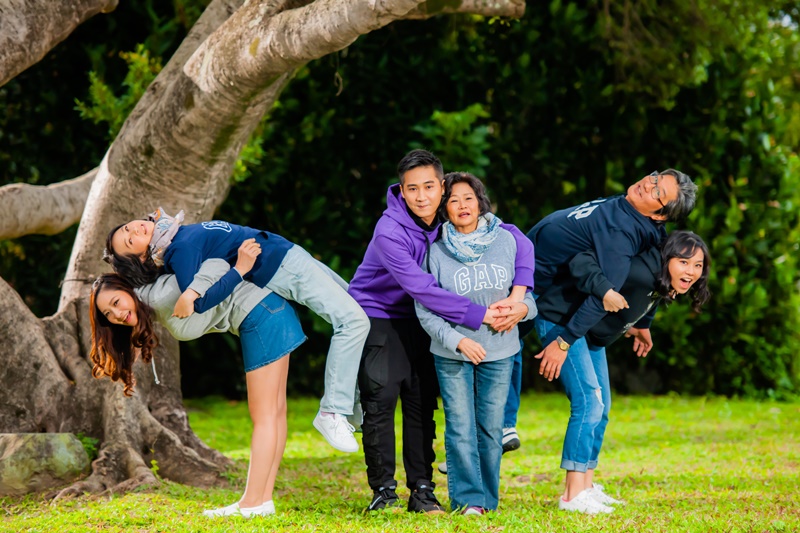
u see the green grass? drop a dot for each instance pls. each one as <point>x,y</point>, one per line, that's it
<point>694,465</point>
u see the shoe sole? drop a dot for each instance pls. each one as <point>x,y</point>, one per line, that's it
<point>511,445</point>
<point>394,509</point>
<point>329,441</point>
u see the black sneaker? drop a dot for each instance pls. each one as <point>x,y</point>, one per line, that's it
<point>510,440</point>
<point>423,500</point>
<point>384,498</point>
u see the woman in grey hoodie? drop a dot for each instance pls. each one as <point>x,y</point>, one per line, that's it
<point>474,258</point>
<point>267,325</point>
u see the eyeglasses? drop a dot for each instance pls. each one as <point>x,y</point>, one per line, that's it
<point>655,192</point>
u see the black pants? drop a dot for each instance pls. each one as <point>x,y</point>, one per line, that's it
<point>397,363</point>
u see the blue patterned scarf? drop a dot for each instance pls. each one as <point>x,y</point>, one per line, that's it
<point>469,247</point>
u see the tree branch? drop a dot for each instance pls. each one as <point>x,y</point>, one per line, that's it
<point>252,47</point>
<point>29,29</point>
<point>256,45</point>
<point>489,8</point>
<point>46,210</point>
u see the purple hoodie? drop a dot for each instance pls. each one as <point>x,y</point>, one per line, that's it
<point>390,278</point>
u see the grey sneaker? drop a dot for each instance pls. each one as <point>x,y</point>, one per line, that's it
<point>510,440</point>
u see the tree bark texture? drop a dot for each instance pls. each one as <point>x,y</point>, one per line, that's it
<point>46,210</point>
<point>31,28</point>
<point>177,150</point>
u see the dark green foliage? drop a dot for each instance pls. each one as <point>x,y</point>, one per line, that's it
<point>563,106</point>
<point>105,106</point>
<point>89,444</point>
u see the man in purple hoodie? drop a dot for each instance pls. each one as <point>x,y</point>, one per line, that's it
<point>397,361</point>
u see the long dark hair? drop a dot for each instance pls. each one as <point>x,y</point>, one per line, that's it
<point>114,346</point>
<point>451,178</point>
<point>684,244</point>
<point>137,271</point>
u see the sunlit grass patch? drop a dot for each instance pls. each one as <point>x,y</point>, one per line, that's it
<point>682,464</point>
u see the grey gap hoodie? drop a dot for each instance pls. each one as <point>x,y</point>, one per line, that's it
<point>484,283</point>
<point>227,316</point>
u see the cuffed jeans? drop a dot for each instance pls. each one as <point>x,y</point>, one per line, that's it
<point>584,376</point>
<point>397,362</point>
<point>303,279</point>
<point>474,397</point>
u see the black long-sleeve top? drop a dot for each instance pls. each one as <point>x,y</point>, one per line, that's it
<point>561,300</point>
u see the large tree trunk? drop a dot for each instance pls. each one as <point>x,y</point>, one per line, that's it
<point>177,150</point>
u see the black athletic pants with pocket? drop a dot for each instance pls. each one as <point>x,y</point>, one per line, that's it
<point>397,362</point>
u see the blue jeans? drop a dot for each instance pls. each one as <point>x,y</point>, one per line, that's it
<point>585,380</point>
<point>303,279</point>
<point>514,391</point>
<point>473,398</point>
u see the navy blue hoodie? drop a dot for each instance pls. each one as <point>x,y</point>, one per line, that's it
<point>610,227</point>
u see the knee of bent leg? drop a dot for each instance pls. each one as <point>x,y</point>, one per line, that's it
<point>355,321</point>
<point>596,409</point>
<point>361,321</point>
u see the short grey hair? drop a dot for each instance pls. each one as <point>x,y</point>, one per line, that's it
<point>679,208</point>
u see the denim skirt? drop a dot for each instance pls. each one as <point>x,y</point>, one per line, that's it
<point>271,331</point>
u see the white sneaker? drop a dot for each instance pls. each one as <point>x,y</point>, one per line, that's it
<point>234,510</point>
<point>337,431</point>
<point>268,507</point>
<point>583,503</point>
<point>596,492</point>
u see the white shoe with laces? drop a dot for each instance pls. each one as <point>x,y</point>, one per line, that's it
<point>234,510</point>
<point>583,503</point>
<point>337,431</point>
<point>596,492</point>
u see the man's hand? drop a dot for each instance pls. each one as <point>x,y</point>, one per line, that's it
<point>642,341</point>
<point>508,315</point>
<point>472,350</point>
<point>248,252</point>
<point>184,307</point>
<point>614,301</point>
<point>552,358</point>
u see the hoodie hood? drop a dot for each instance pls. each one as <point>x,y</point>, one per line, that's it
<point>376,289</point>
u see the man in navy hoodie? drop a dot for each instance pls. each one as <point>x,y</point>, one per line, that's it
<point>616,229</point>
<point>397,361</point>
